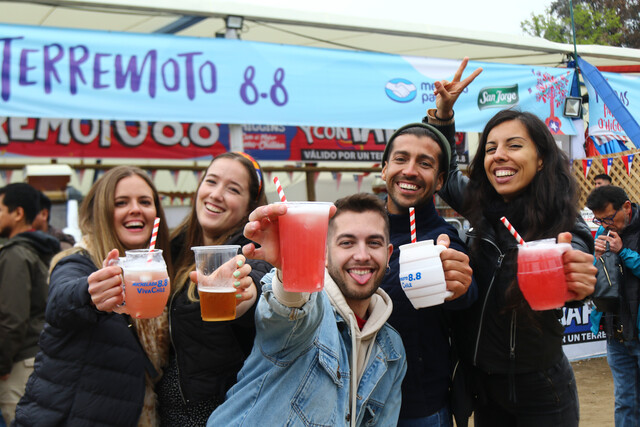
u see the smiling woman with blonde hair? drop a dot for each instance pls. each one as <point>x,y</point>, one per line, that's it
<point>96,366</point>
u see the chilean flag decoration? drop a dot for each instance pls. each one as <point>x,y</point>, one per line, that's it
<point>606,164</point>
<point>586,165</point>
<point>628,160</point>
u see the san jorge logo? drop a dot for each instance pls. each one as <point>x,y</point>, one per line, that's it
<point>498,97</point>
<point>400,90</point>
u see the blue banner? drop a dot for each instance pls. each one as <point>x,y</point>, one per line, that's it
<point>65,73</point>
<point>604,127</point>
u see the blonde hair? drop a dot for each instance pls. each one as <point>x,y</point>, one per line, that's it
<point>192,230</point>
<point>96,218</point>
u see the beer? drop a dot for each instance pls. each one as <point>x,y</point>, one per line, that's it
<point>217,303</point>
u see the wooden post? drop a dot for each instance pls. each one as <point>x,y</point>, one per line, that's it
<point>311,183</point>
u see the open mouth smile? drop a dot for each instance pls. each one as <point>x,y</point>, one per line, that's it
<point>134,225</point>
<point>213,208</point>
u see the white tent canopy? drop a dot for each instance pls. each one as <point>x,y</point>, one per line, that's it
<point>307,25</point>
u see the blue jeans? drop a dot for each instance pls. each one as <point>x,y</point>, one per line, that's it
<point>442,418</point>
<point>542,398</point>
<point>624,360</point>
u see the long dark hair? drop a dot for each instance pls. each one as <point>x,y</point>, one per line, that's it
<point>545,208</point>
<point>190,227</point>
<point>548,204</point>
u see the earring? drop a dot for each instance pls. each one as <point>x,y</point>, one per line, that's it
<point>388,268</point>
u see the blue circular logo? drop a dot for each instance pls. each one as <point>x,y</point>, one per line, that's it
<point>400,90</point>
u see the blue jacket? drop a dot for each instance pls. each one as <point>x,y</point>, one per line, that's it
<point>299,374</point>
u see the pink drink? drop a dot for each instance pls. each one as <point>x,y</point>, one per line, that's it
<point>303,239</point>
<point>146,290</point>
<point>541,274</point>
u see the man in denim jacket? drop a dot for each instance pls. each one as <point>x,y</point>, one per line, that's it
<point>326,358</point>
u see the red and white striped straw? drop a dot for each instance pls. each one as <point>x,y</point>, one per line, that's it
<point>412,224</point>
<point>513,231</point>
<point>154,234</point>
<point>276,181</point>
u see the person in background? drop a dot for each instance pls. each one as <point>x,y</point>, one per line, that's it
<point>97,366</point>
<point>602,179</point>
<point>205,357</point>
<point>415,165</point>
<point>325,358</point>
<point>41,222</point>
<point>514,354</point>
<point>24,267</point>
<point>619,223</point>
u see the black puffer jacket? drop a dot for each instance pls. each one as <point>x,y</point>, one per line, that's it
<point>91,368</point>
<point>210,354</point>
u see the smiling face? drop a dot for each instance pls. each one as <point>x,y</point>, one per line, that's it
<point>411,173</point>
<point>511,159</point>
<point>357,255</point>
<point>222,200</point>
<point>134,212</point>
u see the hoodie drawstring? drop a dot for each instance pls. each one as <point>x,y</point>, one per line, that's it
<point>353,379</point>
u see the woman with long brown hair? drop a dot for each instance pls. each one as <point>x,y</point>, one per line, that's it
<point>514,353</point>
<point>205,357</point>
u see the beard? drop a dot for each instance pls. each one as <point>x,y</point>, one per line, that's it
<point>356,292</point>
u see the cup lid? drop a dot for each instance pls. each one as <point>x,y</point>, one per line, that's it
<point>214,248</point>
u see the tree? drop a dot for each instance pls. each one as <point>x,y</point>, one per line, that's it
<point>603,22</point>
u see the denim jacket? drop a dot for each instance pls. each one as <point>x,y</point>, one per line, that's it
<point>298,373</point>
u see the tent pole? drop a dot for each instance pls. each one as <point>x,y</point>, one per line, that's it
<point>573,32</point>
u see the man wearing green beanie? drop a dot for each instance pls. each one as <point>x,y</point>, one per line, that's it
<point>415,165</point>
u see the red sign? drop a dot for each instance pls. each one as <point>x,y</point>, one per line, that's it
<point>172,140</point>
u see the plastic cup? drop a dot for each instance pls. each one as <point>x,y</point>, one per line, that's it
<point>541,274</point>
<point>303,240</point>
<point>146,282</point>
<point>421,274</point>
<point>217,293</point>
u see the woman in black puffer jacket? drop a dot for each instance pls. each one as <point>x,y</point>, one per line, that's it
<point>205,357</point>
<point>97,367</point>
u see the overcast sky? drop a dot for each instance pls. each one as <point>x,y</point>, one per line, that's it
<point>501,16</point>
